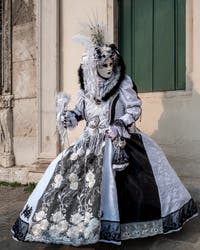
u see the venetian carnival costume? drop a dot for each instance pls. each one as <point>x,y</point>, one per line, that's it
<point>114,182</point>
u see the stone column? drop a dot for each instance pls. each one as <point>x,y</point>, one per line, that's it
<point>48,78</point>
<point>6,97</point>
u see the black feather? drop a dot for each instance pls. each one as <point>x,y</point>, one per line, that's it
<point>80,77</point>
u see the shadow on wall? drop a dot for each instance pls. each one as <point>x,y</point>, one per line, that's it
<point>178,133</point>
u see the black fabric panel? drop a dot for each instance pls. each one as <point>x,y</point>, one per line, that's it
<point>113,108</point>
<point>137,190</point>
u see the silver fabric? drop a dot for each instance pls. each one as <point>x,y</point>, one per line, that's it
<point>173,195</point>
<point>131,102</point>
<point>40,188</point>
<point>79,108</point>
<point>93,111</point>
<point>128,106</point>
<point>141,229</point>
<point>109,202</point>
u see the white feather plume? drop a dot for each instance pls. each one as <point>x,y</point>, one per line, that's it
<point>62,100</point>
<point>83,40</point>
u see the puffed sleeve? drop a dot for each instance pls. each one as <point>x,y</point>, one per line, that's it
<point>131,102</point>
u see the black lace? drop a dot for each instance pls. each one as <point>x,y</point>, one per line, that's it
<point>110,231</point>
<point>175,220</point>
<point>20,229</point>
<point>27,211</point>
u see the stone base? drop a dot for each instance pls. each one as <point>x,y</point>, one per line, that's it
<point>24,174</point>
<point>21,174</point>
<point>7,160</point>
<point>18,174</point>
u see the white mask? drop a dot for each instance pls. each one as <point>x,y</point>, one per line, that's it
<point>105,70</point>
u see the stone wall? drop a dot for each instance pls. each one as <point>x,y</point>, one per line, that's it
<point>24,81</point>
<point>24,115</point>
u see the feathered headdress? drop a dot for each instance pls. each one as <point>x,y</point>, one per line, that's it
<point>91,35</point>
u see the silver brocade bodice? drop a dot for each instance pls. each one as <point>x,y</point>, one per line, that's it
<point>97,114</point>
<point>127,108</point>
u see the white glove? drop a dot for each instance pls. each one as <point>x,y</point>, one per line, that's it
<point>112,132</point>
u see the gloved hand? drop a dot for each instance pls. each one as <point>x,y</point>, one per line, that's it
<point>112,132</point>
<point>69,120</point>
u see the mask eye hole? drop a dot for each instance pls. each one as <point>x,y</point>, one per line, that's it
<point>105,65</point>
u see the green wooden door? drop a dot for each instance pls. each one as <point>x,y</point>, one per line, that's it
<point>152,42</point>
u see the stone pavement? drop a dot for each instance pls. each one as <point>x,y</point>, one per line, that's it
<point>12,200</point>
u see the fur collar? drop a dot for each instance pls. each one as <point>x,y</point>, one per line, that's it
<point>111,85</point>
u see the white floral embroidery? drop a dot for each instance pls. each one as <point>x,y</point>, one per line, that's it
<point>76,218</point>
<point>72,232</point>
<point>58,216</point>
<point>89,230</point>
<point>58,180</point>
<point>40,215</point>
<point>44,224</point>
<point>36,229</point>
<point>59,228</point>
<point>73,185</point>
<point>80,227</point>
<point>87,233</point>
<point>73,178</point>
<point>63,225</point>
<point>93,224</point>
<point>88,216</point>
<point>54,230</point>
<point>90,179</point>
<point>73,156</point>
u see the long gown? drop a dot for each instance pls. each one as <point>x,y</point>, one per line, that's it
<point>84,198</point>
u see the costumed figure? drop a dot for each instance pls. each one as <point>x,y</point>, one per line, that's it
<point>114,182</point>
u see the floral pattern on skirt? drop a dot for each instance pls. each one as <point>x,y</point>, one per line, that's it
<point>69,210</point>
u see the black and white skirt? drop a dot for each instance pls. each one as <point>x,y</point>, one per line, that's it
<point>81,200</point>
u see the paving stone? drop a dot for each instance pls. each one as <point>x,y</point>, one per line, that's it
<point>192,184</point>
<point>166,244</point>
<point>141,244</point>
